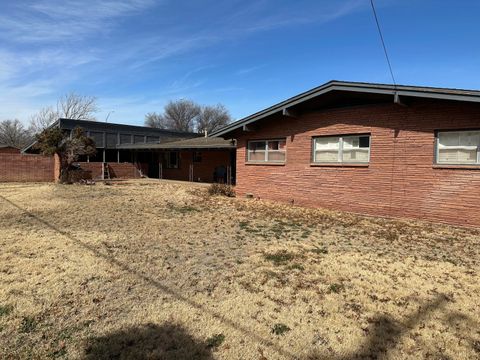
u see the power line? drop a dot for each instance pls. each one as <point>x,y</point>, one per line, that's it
<point>383,43</point>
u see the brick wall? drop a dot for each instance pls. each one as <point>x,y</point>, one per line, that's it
<point>9,150</point>
<point>400,180</point>
<point>117,170</point>
<point>124,171</point>
<point>16,167</point>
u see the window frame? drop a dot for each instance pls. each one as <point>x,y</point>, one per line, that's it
<point>168,160</point>
<point>340,161</point>
<point>197,157</point>
<point>437,148</point>
<point>266,151</point>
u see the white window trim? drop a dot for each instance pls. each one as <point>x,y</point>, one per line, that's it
<point>340,149</point>
<point>459,147</point>
<point>266,151</point>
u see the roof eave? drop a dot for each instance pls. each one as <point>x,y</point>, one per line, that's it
<point>385,89</point>
<point>55,123</point>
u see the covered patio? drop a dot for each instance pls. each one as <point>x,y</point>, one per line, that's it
<point>201,159</point>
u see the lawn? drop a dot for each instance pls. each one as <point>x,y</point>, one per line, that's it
<point>147,269</point>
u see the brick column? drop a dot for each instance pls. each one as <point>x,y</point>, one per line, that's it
<point>56,168</point>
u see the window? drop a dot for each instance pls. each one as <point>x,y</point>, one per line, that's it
<point>267,151</point>
<point>153,139</point>
<point>458,147</point>
<point>97,137</point>
<point>197,156</point>
<point>341,149</point>
<point>112,140</point>
<point>171,159</point>
<point>138,139</point>
<point>125,139</point>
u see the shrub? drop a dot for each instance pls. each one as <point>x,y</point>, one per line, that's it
<point>77,174</point>
<point>29,323</point>
<point>280,329</point>
<point>336,288</point>
<point>221,189</point>
<point>215,341</point>
<point>280,257</point>
<point>319,250</point>
<point>297,266</point>
<point>5,310</point>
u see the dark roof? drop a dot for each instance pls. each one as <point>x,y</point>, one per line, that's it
<point>104,126</point>
<point>195,143</point>
<point>88,125</point>
<point>334,86</point>
<point>2,146</point>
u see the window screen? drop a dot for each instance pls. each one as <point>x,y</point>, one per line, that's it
<point>341,149</point>
<point>267,151</point>
<point>458,147</point>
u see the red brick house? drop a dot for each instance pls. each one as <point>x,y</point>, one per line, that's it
<point>127,151</point>
<point>396,151</point>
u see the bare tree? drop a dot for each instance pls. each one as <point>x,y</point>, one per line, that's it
<point>79,107</point>
<point>13,133</point>
<point>43,119</point>
<point>181,115</point>
<point>212,118</point>
<point>186,115</point>
<point>155,120</point>
<point>69,106</point>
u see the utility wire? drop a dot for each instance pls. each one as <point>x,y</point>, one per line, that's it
<point>383,43</point>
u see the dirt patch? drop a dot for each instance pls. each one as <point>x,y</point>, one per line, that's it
<point>162,270</point>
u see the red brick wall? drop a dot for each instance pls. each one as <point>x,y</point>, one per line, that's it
<point>400,180</point>
<point>117,170</point>
<point>16,167</point>
<point>9,150</point>
<point>124,170</point>
<point>202,171</point>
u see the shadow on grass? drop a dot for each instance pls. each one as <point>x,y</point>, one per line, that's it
<point>157,284</point>
<point>385,332</point>
<point>149,341</point>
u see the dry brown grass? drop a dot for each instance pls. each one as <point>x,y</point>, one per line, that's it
<point>162,270</point>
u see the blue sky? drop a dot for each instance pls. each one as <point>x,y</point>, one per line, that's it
<point>135,55</point>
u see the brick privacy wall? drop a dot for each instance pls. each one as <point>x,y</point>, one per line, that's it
<point>9,150</point>
<point>400,180</point>
<point>16,167</point>
<point>124,170</point>
<point>202,171</point>
<point>117,170</point>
